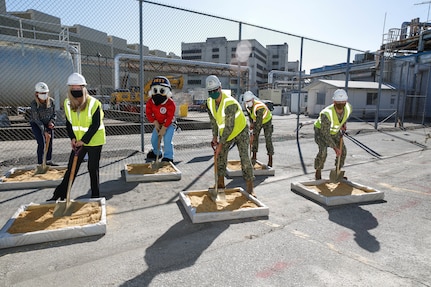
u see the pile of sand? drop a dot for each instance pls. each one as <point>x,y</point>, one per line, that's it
<point>24,175</point>
<point>202,201</point>
<point>40,217</point>
<point>338,189</point>
<point>147,168</point>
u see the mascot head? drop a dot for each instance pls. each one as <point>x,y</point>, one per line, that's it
<point>160,90</point>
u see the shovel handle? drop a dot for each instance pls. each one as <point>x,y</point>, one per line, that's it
<point>341,150</point>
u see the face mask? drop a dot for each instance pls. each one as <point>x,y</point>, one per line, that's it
<point>214,95</point>
<point>339,106</point>
<point>77,93</point>
<point>249,104</point>
<point>158,99</point>
<point>42,97</point>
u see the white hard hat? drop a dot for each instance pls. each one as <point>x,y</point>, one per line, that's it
<point>248,96</point>
<point>340,95</point>
<point>41,87</point>
<point>76,79</point>
<point>212,83</point>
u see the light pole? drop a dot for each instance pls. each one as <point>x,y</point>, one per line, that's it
<point>100,74</point>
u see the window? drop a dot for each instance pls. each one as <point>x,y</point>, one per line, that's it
<point>215,49</point>
<point>371,99</point>
<point>194,82</point>
<point>393,99</point>
<point>215,56</point>
<point>320,99</point>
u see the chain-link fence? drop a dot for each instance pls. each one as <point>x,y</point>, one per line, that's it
<point>38,43</point>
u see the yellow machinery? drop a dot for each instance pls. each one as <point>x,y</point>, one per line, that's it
<point>132,96</point>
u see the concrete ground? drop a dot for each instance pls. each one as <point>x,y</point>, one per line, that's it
<point>150,240</point>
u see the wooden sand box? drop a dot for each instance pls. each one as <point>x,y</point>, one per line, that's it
<point>28,175</point>
<point>40,217</point>
<point>234,200</point>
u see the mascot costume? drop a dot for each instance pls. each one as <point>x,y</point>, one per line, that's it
<point>160,110</point>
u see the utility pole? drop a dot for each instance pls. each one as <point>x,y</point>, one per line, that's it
<point>429,5</point>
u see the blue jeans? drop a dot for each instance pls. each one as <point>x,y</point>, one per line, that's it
<point>167,142</point>
<point>40,139</point>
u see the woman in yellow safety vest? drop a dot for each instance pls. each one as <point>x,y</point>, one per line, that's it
<point>85,128</point>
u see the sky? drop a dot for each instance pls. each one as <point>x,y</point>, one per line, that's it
<point>359,25</point>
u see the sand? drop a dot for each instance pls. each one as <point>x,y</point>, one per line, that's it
<point>146,168</point>
<point>234,200</point>
<point>40,217</point>
<point>236,165</point>
<point>338,189</point>
<point>25,175</point>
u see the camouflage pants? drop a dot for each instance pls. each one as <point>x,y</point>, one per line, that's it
<point>319,160</point>
<point>268,129</point>
<point>242,142</point>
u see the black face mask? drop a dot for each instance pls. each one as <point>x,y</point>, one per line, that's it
<point>158,99</point>
<point>340,106</point>
<point>77,93</point>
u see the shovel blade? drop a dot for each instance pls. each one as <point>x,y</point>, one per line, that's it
<point>59,209</point>
<point>64,208</point>
<point>217,195</point>
<point>213,194</point>
<point>335,176</point>
<point>40,169</point>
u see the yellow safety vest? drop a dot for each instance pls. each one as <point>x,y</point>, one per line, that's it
<point>259,105</point>
<point>82,121</point>
<point>219,115</point>
<point>331,113</point>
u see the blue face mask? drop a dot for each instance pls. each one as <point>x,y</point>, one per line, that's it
<point>214,95</point>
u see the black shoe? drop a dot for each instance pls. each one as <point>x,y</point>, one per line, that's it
<point>49,162</point>
<point>54,198</point>
<point>167,159</point>
<point>152,155</point>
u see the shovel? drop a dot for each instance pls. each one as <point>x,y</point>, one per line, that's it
<point>66,208</point>
<point>155,165</point>
<point>41,169</point>
<point>337,175</point>
<point>216,193</point>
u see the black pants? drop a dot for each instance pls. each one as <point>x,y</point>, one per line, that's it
<point>93,169</point>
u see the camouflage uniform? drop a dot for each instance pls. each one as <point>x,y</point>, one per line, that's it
<point>268,129</point>
<point>324,139</point>
<point>241,140</point>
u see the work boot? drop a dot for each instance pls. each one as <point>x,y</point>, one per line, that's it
<point>220,182</point>
<point>318,174</point>
<point>253,158</point>
<point>249,187</point>
<point>270,160</point>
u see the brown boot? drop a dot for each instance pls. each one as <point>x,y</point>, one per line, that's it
<point>269,160</point>
<point>249,187</point>
<point>220,182</point>
<point>253,158</point>
<point>318,174</point>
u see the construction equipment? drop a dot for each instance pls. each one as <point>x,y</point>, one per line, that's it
<point>129,99</point>
<point>337,175</point>
<point>66,208</point>
<point>216,194</point>
<point>42,169</point>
